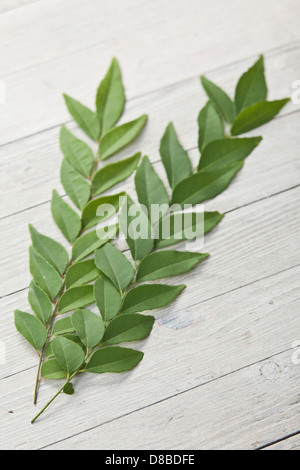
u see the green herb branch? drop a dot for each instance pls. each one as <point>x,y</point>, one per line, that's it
<point>123,287</point>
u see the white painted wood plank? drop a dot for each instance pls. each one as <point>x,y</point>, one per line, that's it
<point>293,443</point>
<point>47,59</point>
<point>273,225</point>
<point>163,30</point>
<point>45,56</point>
<point>178,317</point>
<point>30,167</point>
<point>9,5</point>
<point>239,412</point>
<point>223,335</point>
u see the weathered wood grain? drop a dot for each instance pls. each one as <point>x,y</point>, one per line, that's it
<point>269,229</point>
<point>31,166</point>
<point>233,386</point>
<point>223,335</point>
<point>47,56</point>
<point>237,412</point>
<point>149,37</point>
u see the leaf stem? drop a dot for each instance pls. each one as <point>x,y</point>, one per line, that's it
<point>51,321</point>
<point>49,403</point>
<point>88,354</point>
<point>49,331</point>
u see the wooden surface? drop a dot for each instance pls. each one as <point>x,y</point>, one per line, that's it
<point>218,370</point>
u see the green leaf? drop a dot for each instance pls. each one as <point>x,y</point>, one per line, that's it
<point>211,220</point>
<point>108,298</point>
<point>224,152</point>
<point>205,185</point>
<point>89,327</point>
<point>100,209</point>
<point>85,118</point>
<point>76,297</point>
<point>76,187</point>
<point>71,337</point>
<point>81,273</point>
<point>256,116</point>
<point>63,326</point>
<point>69,389</point>
<point>167,263</point>
<point>68,354</point>
<point>31,329</point>
<point>150,190</point>
<point>53,252</point>
<point>220,99</point>
<point>77,152</point>
<point>67,220</point>
<point>175,159</point>
<point>114,173</point>
<point>131,327</point>
<point>52,370</point>
<point>178,226</point>
<point>48,352</point>
<point>44,274</point>
<point>113,360</point>
<point>88,243</point>
<point>252,87</point>
<point>210,125</point>
<point>115,266</point>
<point>110,99</point>
<point>150,297</point>
<point>39,302</point>
<point>75,339</point>
<point>119,137</point>
<point>137,229</point>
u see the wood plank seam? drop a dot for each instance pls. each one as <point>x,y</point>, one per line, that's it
<point>225,212</point>
<point>283,346</point>
<point>163,400</point>
<point>244,286</point>
<point>278,441</point>
<point>272,51</point>
<point>192,305</point>
<point>154,163</point>
<point>292,46</point>
<point>285,48</point>
<point>229,211</point>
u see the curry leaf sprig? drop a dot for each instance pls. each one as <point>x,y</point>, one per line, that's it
<point>59,280</point>
<point>124,285</point>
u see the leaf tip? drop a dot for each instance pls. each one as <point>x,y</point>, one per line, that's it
<point>66,99</point>
<point>115,61</point>
<point>203,80</point>
<point>144,118</point>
